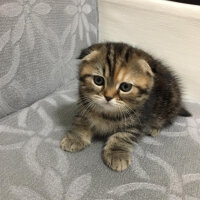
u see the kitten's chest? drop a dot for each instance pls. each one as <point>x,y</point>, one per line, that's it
<point>103,126</point>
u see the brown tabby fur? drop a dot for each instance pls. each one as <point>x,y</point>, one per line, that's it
<point>155,99</point>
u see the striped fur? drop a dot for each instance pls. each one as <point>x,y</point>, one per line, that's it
<point>106,109</point>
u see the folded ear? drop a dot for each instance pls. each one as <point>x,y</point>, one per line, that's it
<point>88,53</point>
<point>145,67</point>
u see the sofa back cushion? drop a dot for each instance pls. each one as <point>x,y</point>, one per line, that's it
<point>39,43</point>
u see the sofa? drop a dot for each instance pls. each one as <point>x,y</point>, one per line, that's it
<point>39,43</point>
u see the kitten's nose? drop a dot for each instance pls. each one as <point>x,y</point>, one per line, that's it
<point>108,98</point>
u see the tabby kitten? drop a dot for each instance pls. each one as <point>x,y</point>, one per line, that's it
<point>124,93</point>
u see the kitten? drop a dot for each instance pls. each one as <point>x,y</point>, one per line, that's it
<point>123,93</point>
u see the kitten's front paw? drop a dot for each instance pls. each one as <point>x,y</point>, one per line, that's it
<point>73,143</point>
<point>117,161</point>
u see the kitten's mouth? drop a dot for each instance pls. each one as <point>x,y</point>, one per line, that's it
<point>107,106</point>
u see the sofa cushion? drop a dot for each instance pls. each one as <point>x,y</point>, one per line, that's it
<point>32,166</point>
<point>39,41</point>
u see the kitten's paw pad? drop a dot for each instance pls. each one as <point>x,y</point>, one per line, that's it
<point>117,161</point>
<point>155,132</point>
<point>72,143</point>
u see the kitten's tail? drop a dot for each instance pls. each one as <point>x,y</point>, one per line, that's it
<point>183,112</point>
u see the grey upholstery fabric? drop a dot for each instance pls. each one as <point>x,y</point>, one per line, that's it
<point>39,40</point>
<point>32,166</point>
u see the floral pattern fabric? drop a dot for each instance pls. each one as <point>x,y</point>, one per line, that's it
<point>39,41</point>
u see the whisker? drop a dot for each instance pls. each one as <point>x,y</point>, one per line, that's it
<point>84,105</point>
<point>137,118</point>
<point>121,114</point>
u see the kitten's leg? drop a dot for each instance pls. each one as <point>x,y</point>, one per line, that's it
<point>117,151</point>
<point>78,138</point>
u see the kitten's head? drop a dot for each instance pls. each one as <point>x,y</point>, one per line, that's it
<point>113,78</point>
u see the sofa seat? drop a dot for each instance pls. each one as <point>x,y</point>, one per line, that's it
<point>32,165</point>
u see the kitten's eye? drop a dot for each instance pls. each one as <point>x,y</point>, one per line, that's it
<point>125,87</point>
<point>98,80</point>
